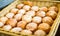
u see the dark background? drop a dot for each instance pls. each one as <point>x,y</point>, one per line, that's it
<point>58,32</point>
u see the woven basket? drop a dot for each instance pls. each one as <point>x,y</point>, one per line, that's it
<point>38,3</point>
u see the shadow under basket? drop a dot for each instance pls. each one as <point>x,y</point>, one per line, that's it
<point>54,27</point>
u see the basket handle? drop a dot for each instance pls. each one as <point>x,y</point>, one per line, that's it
<point>42,1</point>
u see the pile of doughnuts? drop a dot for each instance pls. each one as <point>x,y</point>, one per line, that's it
<point>29,19</point>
